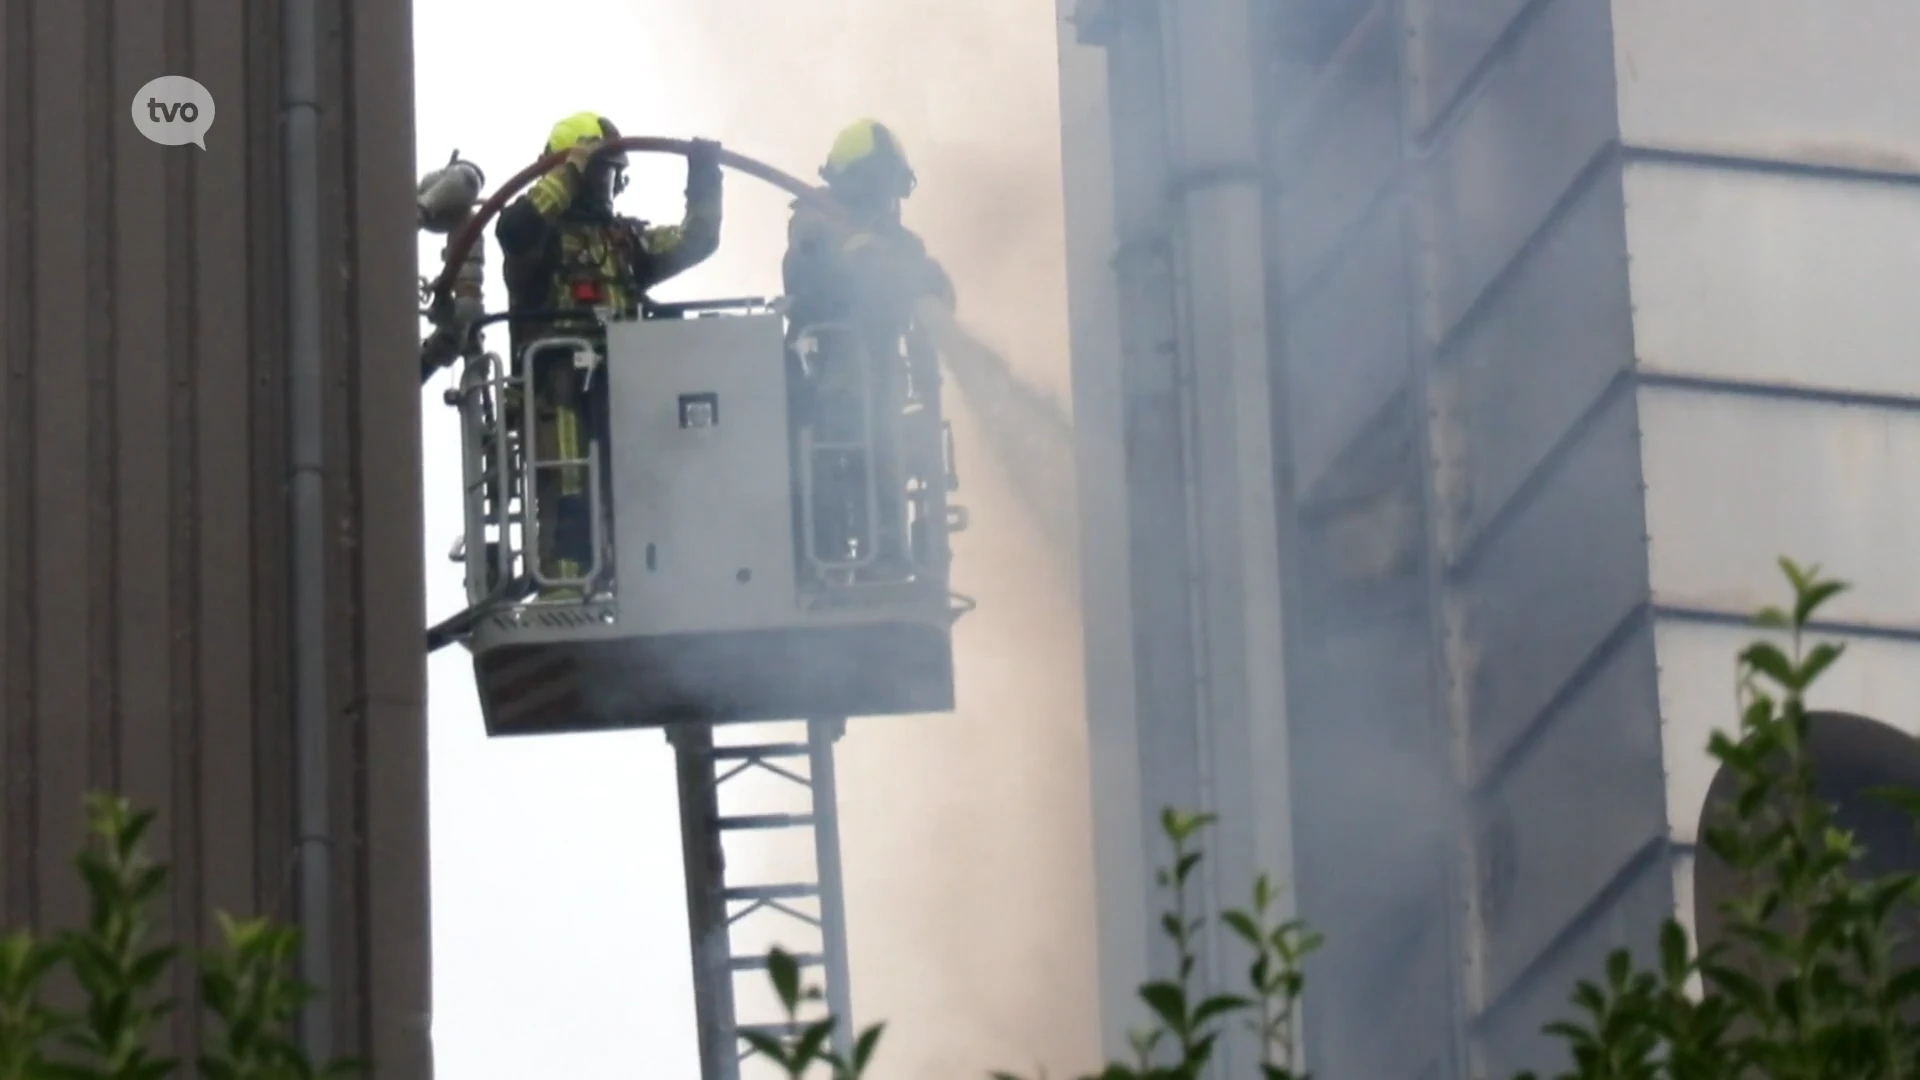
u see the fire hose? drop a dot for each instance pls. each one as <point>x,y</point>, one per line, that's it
<point>469,234</point>
<point>980,366</point>
<point>440,292</point>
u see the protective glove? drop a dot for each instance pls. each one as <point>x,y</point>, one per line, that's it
<point>581,154</point>
<point>703,170</point>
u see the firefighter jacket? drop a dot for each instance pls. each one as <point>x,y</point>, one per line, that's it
<point>563,255</point>
<point>870,276</point>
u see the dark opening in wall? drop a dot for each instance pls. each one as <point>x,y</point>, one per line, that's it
<point>1852,757</point>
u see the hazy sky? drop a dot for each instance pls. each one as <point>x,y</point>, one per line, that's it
<point>560,923</point>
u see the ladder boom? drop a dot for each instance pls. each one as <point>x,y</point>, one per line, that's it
<point>715,907</point>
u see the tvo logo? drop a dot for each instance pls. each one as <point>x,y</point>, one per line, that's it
<point>174,110</point>
<point>160,112</point>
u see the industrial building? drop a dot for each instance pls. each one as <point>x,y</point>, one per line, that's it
<point>1449,375</point>
<point>209,485</point>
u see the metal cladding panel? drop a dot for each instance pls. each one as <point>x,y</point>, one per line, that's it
<point>1508,1036</point>
<point>1446,41</point>
<point>1543,113</point>
<point>1372,835</point>
<point>1380,796</point>
<point>143,480</point>
<point>1734,482</point>
<point>1877,677</point>
<point>1342,155</point>
<point>1569,814</point>
<point>1517,381</point>
<point>1780,80</point>
<point>1391,1026</point>
<point>1548,589</point>
<point>1349,348</point>
<point>1777,278</point>
<point>703,513</point>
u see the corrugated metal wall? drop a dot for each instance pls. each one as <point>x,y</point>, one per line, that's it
<point>143,479</point>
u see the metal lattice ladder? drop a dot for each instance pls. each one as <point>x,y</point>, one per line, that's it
<point>715,908</point>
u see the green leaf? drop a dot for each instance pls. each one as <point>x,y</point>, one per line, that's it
<point>1906,799</point>
<point>1812,596</point>
<point>150,965</point>
<point>1766,658</point>
<point>1797,576</point>
<point>864,1047</point>
<point>807,1048</point>
<point>1819,659</point>
<point>1242,924</point>
<point>1180,824</point>
<point>1168,1001</point>
<point>1674,958</point>
<point>784,971</point>
<point>1619,966</point>
<point>1218,1005</point>
<point>1184,868</point>
<point>1745,991</point>
<point>157,1069</point>
<point>768,1046</point>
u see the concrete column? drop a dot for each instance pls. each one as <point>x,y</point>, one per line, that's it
<point>1177,482</point>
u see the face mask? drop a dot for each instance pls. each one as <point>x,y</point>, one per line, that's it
<point>600,185</point>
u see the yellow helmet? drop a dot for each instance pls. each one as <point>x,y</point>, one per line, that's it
<point>582,126</point>
<point>868,151</point>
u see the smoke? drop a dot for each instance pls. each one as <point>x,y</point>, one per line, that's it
<point>967,843</point>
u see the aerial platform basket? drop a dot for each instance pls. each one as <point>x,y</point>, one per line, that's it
<point>742,496</point>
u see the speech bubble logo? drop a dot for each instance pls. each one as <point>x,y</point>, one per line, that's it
<point>173,110</point>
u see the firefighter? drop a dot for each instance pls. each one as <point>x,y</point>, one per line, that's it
<point>858,260</point>
<point>565,251</point>
<point>854,263</point>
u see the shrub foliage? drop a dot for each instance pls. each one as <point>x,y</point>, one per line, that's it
<point>121,974</point>
<point>1804,984</point>
<point>1803,987</point>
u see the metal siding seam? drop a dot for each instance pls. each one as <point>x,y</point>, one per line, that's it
<point>21,758</point>
<point>140,291</point>
<point>59,507</point>
<point>221,393</point>
<point>267,414</point>
<point>141,223</point>
<point>356,922</point>
<point>104,586</point>
<point>183,531</point>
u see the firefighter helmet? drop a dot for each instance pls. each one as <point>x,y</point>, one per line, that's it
<point>582,127</point>
<point>868,155</point>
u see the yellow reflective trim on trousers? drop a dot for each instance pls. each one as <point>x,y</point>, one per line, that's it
<point>567,429</point>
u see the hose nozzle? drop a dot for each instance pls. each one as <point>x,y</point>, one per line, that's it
<point>446,196</point>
